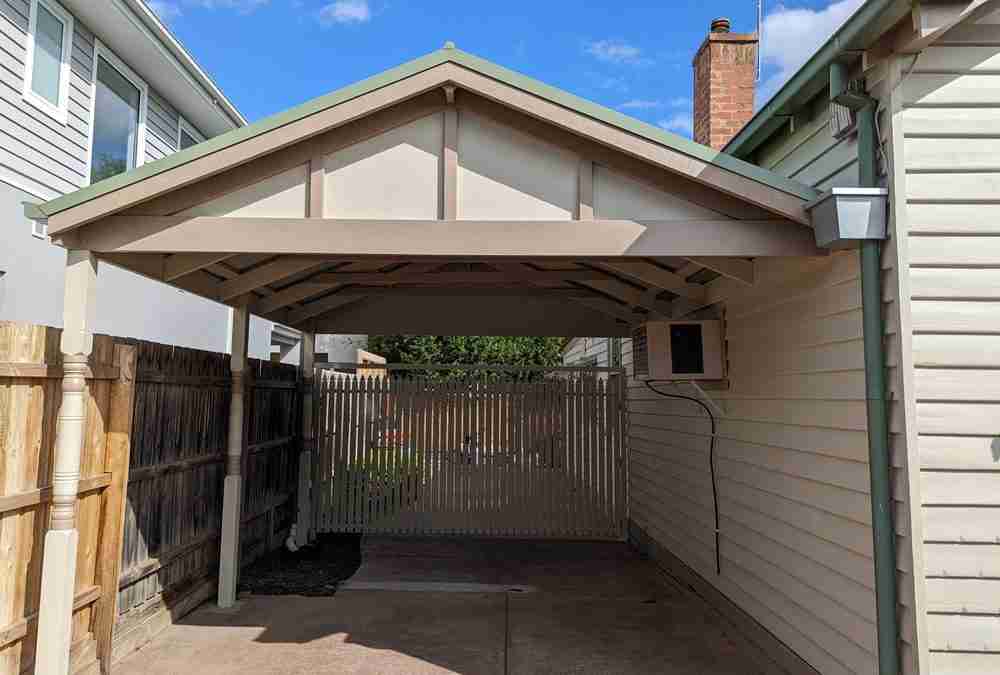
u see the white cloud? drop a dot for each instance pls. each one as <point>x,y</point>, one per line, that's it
<point>241,6</point>
<point>680,123</point>
<point>166,10</point>
<point>656,104</point>
<point>793,34</point>
<point>616,51</point>
<point>345,11</point>
<point>641,104</point>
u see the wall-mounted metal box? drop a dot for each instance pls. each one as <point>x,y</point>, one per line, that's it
<point>678,350</point>
<point>841,217</point>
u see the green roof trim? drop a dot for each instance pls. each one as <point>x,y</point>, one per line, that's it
<point>860,26</point>
<point>401,72</point>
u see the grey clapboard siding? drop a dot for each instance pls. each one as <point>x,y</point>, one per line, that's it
<point>162,124</point>
<point>39,153</point>
<point>583,350</point>
<point>951,124</point>
<point>792,469</point>
<point>811,154</point>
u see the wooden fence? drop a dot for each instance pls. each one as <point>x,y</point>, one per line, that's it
<point>540,458</point>
<point>151,485</point>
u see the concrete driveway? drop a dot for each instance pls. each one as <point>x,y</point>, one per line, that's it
<point>463,606</point>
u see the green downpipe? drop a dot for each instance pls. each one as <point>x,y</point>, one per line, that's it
<point>883,533</point>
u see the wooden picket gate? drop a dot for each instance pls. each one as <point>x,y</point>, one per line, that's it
<point>511,457</point>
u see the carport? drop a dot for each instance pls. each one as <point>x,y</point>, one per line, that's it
<point>447,196</point>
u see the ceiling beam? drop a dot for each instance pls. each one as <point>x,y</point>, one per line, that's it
<point>734,268</point>
<point>612,308</point>
<point>466,238</point>
<point>649,274</point>
<point>459,278</point>
<point>318,284</point>
<point>181,264</point>
<point>631,296</point>
<point>321,306</point>
<point>269,273</point>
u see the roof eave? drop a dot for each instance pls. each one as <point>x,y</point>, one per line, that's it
<point>186,60</point>
<point>869,21</point>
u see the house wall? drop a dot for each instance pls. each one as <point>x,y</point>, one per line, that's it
<point>947,135</point>
<point>791,463</point>
<point>41,158</point>
<point>131,305</point>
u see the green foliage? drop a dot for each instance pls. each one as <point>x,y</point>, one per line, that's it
<point>468,350</point>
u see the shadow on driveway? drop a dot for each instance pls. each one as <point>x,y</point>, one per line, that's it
<point>462,606</point>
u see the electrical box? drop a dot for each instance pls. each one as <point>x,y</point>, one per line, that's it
<point>678,350</point>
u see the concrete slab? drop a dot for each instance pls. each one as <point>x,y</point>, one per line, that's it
<point>352,632</point>
<point>554,634</point>
<point>463,606</point>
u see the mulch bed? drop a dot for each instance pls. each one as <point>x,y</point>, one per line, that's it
<point>314,570</point>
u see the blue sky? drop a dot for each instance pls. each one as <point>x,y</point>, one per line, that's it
<point>268,55</point>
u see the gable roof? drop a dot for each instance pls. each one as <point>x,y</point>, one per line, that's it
<point>442,56</point>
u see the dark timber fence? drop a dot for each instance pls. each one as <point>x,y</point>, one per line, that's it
<point>153,458</point>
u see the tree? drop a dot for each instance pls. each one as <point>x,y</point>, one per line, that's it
<point>468,350</point>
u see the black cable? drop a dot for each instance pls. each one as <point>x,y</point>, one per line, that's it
<point>711,460</point>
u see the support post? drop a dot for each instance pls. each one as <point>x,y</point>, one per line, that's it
<point>232,496</point>
<point>55,610</point>
<point>304,527</point>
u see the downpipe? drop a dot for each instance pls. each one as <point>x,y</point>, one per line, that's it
<point>883,533</point>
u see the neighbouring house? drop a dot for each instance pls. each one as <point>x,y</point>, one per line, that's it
<point>794,481</point>
<point>91,89</point>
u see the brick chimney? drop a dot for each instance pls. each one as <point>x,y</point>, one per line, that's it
<point>725,69</point>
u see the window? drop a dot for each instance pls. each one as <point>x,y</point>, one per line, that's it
<point>119,119</point>
<point>187,135</point>
<point>46,76</point>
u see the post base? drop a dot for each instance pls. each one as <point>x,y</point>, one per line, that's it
<point>55,609</point>
<point>229,553</point>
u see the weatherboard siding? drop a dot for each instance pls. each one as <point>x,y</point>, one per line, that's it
<point>811,154</point>
<point>951,127</point>
<point>791,462</point>
<point>40,154</point>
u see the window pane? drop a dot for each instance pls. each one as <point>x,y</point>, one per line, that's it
<point>116,123</point>
<point>46,67</point>
<point>187,140</point>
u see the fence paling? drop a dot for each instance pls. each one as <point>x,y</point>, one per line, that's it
<point>515,458</point>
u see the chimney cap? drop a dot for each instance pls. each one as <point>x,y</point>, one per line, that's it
<point>721,25</point>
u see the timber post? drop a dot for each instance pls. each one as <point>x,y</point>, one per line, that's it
<point>304,527</point>
<point>232,497</point>
<point>55,610</point>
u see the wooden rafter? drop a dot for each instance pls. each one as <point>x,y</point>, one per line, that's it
<point>181,264</point>
<point>266,274</point>
<point>656,277</point>
<point>452,278</point>
<point>739,269</point>
<point>631,296</point>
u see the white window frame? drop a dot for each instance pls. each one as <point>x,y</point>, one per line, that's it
<point>61,111</point>
<point>101,51</point>
<point>185,127</point>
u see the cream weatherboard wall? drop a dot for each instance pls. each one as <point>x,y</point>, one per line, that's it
<point>795,518</point>
<point>947,119</point>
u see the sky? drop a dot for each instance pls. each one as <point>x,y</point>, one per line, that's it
<point>633,56</point>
